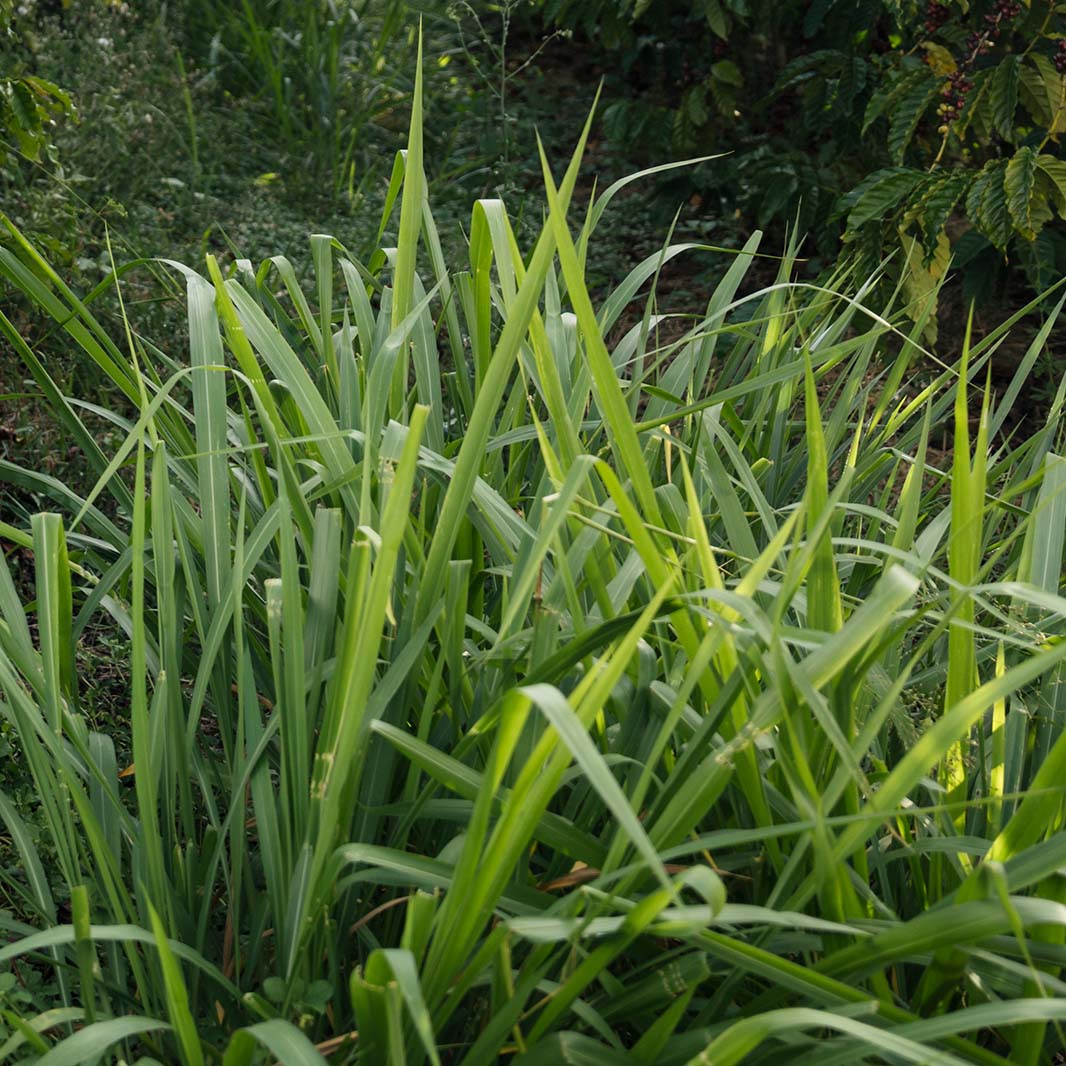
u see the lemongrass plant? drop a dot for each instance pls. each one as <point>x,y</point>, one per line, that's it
<point>500,692</point>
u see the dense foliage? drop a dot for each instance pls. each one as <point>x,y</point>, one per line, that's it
<point>204,122</point>
<point>319,64</point>
<point>419,653</point>
<point>932,126</point>
<point>551,703</point>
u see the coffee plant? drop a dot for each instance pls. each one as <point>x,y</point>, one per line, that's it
<point>971,118</point>
<point>931,126</point>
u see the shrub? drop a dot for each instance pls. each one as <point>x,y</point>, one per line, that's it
<point>927,127</point>
<point>497,690</point>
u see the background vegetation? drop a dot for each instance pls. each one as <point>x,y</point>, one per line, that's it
<point>454,611</point>
<point>879,121</point>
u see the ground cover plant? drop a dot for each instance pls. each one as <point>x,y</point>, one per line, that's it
<point>320,65</point>
<point>509,684</point>
<point>193,123</point>
<point>169,144</point>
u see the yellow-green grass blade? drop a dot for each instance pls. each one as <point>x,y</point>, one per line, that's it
<point>492,239</point>
<point>620,429</point>
<point>964,546</point>
<point>414,182</point>
<point>677,815</point>
<point>553,830</point>
<point>32,866</point>
<point>44,1021</point>
<point>342,742</point>
<point>985,1017</point>
<point>209,408</point>
<point>65,309</point>
<point>396,967</point>
<point>146,782</point>
<point>54,616</point>
<point>411,204</point>
<point>291,684</point>
<point>170,764</point>
<point>83,949</point>
<point>271,421</point>
<point>529,566</point>
<point>931,746</point>
<point>15,637</point>
<point>823,584</point>
<point>638,920</point>
<point>476,888</point>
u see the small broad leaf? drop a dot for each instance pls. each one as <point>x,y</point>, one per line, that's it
<point>1041,90</point>
<point>274,988</point>
<point>933,207</point>
<point>813,66</point>
<point>884,101</point>
<point>317,995</point>
<point>1033,95</point>
<point>880,193</point>
<point>693,111</point>
<point>986,204</point>
<point>815,17</point>
<point>716,17</point>
<point>1028,209</point>
<point>726,70</point>
<point>940,61</point>
<point>908,112</point>
<point>1053,173</point>
<point>1003,96</point>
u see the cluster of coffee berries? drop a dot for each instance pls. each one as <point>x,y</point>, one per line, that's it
<point>935,16</point>
<point>978,43</point>
<point>1008,9</point>
<point>1060,56</point>
<point>1004,9</point>
<point>953,96</point>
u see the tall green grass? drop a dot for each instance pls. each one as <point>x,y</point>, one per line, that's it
<point>317,66</point>
<point>523,677</point>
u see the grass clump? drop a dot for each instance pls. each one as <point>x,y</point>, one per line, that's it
<point>506,685</point>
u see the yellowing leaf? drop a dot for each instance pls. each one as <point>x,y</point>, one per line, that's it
<point>921,279</point>
<point>941,61</point>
